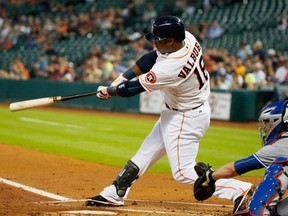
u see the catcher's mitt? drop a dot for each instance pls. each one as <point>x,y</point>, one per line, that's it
<point>204,186</point>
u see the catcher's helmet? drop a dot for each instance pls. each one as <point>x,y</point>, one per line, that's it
<point>166,27</point>
<point>273,120</point>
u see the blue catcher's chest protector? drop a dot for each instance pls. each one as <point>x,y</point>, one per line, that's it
<point>271,189</point>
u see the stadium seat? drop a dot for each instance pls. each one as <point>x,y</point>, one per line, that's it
<point>242,21</point>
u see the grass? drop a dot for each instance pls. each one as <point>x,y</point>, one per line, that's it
<point>113,141</point>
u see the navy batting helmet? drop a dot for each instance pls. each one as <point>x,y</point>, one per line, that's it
<point>166,27</point>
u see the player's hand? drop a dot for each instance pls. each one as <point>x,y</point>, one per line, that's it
<point>118,80</point>
<point>103,93</point>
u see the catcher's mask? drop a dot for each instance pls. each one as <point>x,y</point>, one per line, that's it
<point>273,120</point>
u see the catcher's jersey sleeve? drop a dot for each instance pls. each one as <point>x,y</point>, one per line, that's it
<point>267,154</point>
<point>180,76</point>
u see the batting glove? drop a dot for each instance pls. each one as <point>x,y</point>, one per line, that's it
<point>118,80</point>
<point>103,93</point>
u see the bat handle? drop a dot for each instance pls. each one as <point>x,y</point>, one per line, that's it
<point>69,97</point>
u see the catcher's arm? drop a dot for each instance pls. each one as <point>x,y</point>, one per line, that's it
<point>204,186</point>
<point>226,171</point>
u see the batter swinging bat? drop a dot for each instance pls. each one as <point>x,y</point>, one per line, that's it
<point>28,104</point>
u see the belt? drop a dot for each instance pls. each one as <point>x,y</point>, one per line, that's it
<point>171,108</point>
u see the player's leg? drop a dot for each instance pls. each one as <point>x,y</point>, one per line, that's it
<point>114,194</point>
<point>151,150</point>
<point>239,192</point>
<point>231,188</point>
<point>182,155</point>
<point>182,132</point>
<point>282,207</point>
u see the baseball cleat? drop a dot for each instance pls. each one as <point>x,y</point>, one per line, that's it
<point>242,202</point>
<point>100,201</point>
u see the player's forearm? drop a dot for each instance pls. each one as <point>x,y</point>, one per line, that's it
<point>131,72</point>
<point>226,171</point>
<point>126,89</point>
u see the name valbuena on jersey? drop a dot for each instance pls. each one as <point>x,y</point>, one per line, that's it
<point>180,76</point>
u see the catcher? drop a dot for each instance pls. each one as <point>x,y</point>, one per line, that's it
<point>273,156</point>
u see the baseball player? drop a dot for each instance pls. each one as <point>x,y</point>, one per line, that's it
<point>176,68</point>
<point>273,156</point>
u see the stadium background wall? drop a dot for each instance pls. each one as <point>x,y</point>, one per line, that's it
<point>243,105</point>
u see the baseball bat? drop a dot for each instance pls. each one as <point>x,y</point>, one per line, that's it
<point>28,104</point>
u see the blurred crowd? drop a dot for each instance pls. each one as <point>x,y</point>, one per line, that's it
<point>251,67</point>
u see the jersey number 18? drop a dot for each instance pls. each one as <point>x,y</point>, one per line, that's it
<point>201,73</point>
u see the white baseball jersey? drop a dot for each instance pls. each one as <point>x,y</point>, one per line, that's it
<point>180,76</point>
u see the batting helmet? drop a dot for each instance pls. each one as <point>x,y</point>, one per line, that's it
<point>166,27</point>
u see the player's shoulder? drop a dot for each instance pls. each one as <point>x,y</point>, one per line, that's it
<point>190,36</point>
<point>192,42</point>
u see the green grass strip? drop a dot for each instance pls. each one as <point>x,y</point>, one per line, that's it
<point>113,140</point>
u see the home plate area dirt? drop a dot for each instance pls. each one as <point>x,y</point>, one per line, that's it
<point>153,194</point>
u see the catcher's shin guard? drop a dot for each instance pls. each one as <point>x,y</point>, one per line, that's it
<point>243,213</point>
<point>126,177</point>
<point>271,189</point>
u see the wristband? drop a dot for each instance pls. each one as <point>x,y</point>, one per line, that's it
<point>112,90</point>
